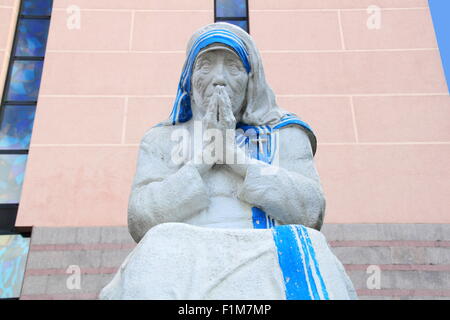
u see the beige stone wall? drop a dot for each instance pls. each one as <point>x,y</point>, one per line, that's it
<point>377,100</point>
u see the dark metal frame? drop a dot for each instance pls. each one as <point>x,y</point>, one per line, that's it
<point>218,19</point>
<point>7,208</point>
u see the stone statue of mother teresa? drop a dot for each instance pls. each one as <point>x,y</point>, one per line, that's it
<point>226,202</point>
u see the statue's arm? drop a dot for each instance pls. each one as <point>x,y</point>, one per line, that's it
<point>292,194</point>
<point>161,193</point>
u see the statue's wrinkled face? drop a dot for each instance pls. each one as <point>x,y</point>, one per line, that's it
<point>219,66</point>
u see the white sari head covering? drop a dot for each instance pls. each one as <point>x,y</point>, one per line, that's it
<point>260,107</point>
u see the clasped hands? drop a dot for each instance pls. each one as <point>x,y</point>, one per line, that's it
<point>219,123</point>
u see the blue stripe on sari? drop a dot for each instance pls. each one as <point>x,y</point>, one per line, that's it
<point>312,252</point>
<point>259,218</point>
<point>291,263</point>
<point>265,151</point>
<point>311,283</point>
<point>298,263</point>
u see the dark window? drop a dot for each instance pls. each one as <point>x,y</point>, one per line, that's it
<point>32,37</point>
<point>18,104</point>
<point>13,256</point>
<point>232,11</point>
<point>16,126</point>
<point>37,7</point>
<point>24,80</point>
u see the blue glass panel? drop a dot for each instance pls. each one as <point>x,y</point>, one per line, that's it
<point>32,37</point>
<point>440,12</point>
<point>12,169</point>
<point>16,127</point>
<point>240,23</point>
<point>13,257</point>
<point>24,81</point>
<point>231,8</point>
<point>37,7</point>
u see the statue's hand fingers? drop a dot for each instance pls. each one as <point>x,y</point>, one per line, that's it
<point>210,117</point>
<point>226,116</point>
<point>225,98</point>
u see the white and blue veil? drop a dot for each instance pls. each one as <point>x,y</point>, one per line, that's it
<point>260,111</point>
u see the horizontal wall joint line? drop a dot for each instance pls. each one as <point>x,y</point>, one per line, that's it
<point>348,268</point>
<point>330,10</point>
<point>61,296</point>
<point>383,143</point>
<point>49,145</point>
<point>84,247</point>
<point>388,243</point>
<point>130,10</point>
<point>116,51</point>
<point>403,292</point>
<point>400,267</point>
<point>351,50</point>
<point>55,271</point>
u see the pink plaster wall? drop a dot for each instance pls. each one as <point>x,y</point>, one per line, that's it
<point>377,100</point>
<point>103,86</point>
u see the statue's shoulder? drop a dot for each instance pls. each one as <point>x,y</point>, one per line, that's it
<point>295,143</point>
<point>296,132</point>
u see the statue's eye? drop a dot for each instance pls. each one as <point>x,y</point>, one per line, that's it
<point>234,67</point>
<point>204,66</point>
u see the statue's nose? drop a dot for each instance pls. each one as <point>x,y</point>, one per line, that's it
<point>219,81</point>
<point>219,77</point>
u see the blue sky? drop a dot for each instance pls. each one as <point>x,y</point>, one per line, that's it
<point>440,12</point>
